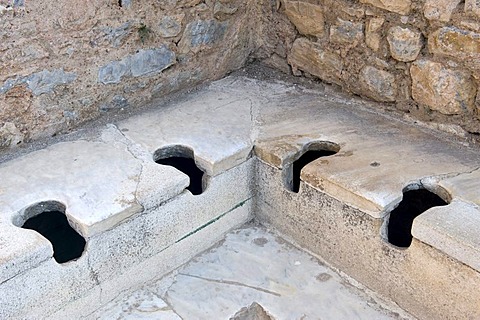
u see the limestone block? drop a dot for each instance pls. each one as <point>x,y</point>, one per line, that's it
<point>307,18</point>
<point>380,84</point>
<point>202,33</point>
<point>144,62</point>
<point>405,44</point>
<point>457,43</point>
<point>41,82</point>
<point>222,11</point>
<point>346,32</point>
<point>464,186</point>
<point>10,135</point>
<point>452,229</point>
<point>312,58</point>
<point>472,6</point>
<point>215,150</point>
<point>397,6</point>
<point>372,36</point>
<point>170,26</point>
<point>442,89</point>
<point>440,9</point>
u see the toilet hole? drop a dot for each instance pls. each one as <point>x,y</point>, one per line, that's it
<point>414,203</point>
<point>182,158</point>
<point>50,221</point>
<point>310,154</point>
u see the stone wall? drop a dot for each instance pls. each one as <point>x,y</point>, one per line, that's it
<point>421,57</point>
<point>70,61</point>
<point>65,62</point>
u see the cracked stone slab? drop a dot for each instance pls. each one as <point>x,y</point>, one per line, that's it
<point>253,267</point>
<point>452,229</point>
<point>378,156</point>
<point>100,184</point>
<point>464,186</point>
<point>215,125</point>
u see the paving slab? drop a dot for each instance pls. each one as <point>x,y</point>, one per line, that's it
<point>252,265</point>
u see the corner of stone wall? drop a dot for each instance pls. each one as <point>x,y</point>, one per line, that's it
<point>67,62</point>
<point>420,56</point>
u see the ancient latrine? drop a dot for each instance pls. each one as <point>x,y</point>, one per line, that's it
<point>335,152</point>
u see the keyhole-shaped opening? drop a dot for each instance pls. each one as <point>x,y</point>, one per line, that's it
<point>182,158</point>
<point>48,219</point>
<point>310,153</point>
<point>413,204</point>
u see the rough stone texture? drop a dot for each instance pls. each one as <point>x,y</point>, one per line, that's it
<point>222,11</point>
<point>456,43</point>
<point>372,36</point>
<point>380,84</point>
<point>202,33</point>
<point>405,44</point>
<point>346,32</point>
<point>312,58</point>
<point>9,135</point>
<point>143,63</point>
<point>50,81</point>
<point>41,82</point>
<point>397,6</point>
<point>307,17</point>
<point>171,26</point>
<point>472,6</point>
<point>442,89</point>
<point>440,9</point>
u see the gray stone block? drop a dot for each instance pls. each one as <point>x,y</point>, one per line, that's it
<point>145,62</point>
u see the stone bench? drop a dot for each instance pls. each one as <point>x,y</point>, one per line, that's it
<point>139,221</point>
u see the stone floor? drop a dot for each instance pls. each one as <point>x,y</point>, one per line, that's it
<point>250,274</point>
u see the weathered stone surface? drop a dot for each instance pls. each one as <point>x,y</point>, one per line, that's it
<point>9,135</point>
<point>112,72</point>
<point>222,11</point>
<point>151,61</point>
<point>455,42</point>
<point>445,90</point>
<point>202,33</point>
<point>440,9</point>
<point>472,6</point>
<point>312,58</point>
<point>145,62</point>
<point>397,6</point>
<point>380,84</point>
<point>45,81</point>
<point>170,26</point>
<point>116,35</point>
<point>41,82</point>
<point>372,36</point>
<point>346,32</point>
<point>405,44</point>
<point>452,229</point>
<point>307,18</point>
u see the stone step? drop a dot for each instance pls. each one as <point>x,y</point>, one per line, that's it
<point>329,174</point>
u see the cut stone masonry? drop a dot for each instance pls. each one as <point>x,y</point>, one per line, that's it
<point>140,222</point>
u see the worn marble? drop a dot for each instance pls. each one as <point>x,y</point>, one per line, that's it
<point>252,265</point>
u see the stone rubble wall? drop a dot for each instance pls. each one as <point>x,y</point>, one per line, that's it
<point>66,62</point>
<point>419,56</point>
